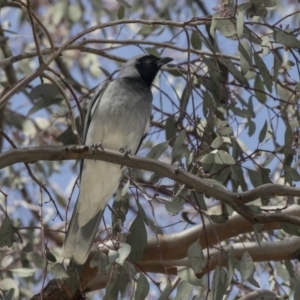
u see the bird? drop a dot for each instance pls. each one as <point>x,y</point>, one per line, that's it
<point>118,117</point>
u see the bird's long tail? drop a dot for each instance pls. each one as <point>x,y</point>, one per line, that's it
<point>79,240</point>
<point>99,181</point>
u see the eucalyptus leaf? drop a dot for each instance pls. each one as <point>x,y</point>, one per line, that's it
<point>246,266</point>
<point>195,40</point>
<point>196,257</point>
<point>59,271</point>
<point>6,233</point>
<point>157,150</point>
<point>184,290</point>
<point>219,284</point>
<point>286,39</point>
<point>137,238</point>
<point>188,275</point>
<point>263,70</point>
<point>224,158</point>
<point>142,288</point>
<point>263,132</point>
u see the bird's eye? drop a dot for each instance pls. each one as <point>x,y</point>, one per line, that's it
<point>148,61</point>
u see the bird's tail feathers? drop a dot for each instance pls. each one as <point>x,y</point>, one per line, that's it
<point>79,240</point>
<point>85,238</point>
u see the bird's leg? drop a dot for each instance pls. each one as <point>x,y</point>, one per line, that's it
<point>125,150</point>
<point>94,147</point>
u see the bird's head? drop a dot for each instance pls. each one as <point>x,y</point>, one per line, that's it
<point>143,67</point>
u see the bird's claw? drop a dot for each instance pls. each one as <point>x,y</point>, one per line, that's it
<point>125,151</point>
<point>94,147</point>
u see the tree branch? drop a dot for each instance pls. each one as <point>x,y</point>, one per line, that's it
<point>234,200</point>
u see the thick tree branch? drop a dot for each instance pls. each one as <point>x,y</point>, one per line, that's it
<point>234,200</point>
<point>175,246</point>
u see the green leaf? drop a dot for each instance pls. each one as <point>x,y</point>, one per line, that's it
<point>125,188</point>
<point>185,217</point>
<point>286,39</point>
<point>171,130</point>
<point>121,12</point>
<point>196,257</point>
<point>137,238</point>
<point>244,113</point>
<point>257,229</point>
<point>23,272</point>
<point>246,266</point>
<point>100,261</point>
<point>226,27</point>
<point>153,51</point>
<point>195,40</point>
<point>217,142</point>
<point>120,208</point>
<point>251,127</point>
<point>184,291</point>
<point>59,271</point>
<point>118,285</point>
<point>67,137</point>
<point>200,201</point>
<point>142,288</point>
<point>290,228</point>
<point>263,132</point>
<point>219,284</point>
<point>225,131</point>
<point>240,24</point>
<point>245,56</point>
<point>46,95</point>
<point>186,93</point>
<point>256,10</point>
<point>263,70</point>
<point>259,90</point>
<point>255,178</point>
<point>179,149</point>
<point>155,177</point>
<point>230,267</point>
<point>244,6</point>
<point>12,286</point>
<point>174,206</point>
<point>74,12</point>
<point>291,174</point>
<point>37,259</point>
<point>224,158</point>
<point>188,275</point>
<point>166,292</point>
<point>157,150</point>
<point>234,71</point>
<point>49,256</point>
<point>125,3</point>
<point>6,233</point>
<point>219,219</point>
<point>208,158</point>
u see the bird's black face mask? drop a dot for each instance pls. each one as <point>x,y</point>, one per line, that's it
<point>149,65</point>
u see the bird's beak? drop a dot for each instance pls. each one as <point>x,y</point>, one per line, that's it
<point>164,60</point>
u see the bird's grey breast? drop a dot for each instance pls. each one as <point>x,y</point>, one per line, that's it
<point>121,116</point>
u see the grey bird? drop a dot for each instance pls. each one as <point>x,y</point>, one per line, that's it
<point>118,117</point>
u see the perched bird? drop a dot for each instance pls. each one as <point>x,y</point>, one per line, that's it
<point>118,117</point>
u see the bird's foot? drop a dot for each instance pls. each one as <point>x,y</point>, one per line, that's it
<point>95,147</point>
<point>125,151</point>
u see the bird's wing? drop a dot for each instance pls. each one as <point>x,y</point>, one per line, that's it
<point>94,102</point>
<point>144,135</point>
<point>74,229</point>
